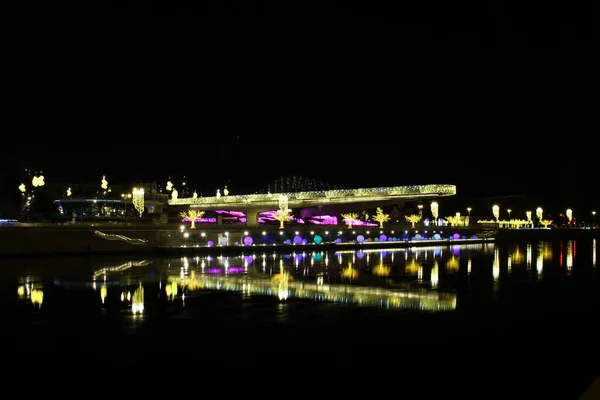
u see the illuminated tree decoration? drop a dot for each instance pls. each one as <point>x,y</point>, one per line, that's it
<point>528,214</point>
<point>69,193</point>
<point>192,215</point>
<point>104,183</point>
<point>381,217</point>
<point>138,200</point>
<point>546,222</point>
<point>38,181</point>
<point>22,188</point>
<point>350,218</point>
<point>174,194</point>
<point>226,191</point>
<point>496,212</point>
<point>569,214</point>
<point>169,186</point>
<point>539,213</point>
<point>194,195</point>
<point>435,208</point>
<point>282,216</point>
<point>413,219</point>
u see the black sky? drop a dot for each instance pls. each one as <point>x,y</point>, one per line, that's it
<point>496,97</point>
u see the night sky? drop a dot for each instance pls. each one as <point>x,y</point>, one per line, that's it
<point>495,98</point>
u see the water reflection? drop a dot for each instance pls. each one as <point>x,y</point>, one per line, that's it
<point>31,290</point>
<point>424,279</point>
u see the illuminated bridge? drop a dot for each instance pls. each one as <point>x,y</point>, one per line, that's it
<point>432,301</point>
<point>253,204</point>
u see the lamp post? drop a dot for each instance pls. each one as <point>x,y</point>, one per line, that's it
<point>469,212</point>
<point>593,219</point>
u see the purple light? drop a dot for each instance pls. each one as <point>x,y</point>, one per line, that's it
<point>297,239</point>
<point>235,270</point>
<point>382,238</point>
<point>248,259</point>
<point>360,254</point>
<point>248,241</point>
<point>214,271</point>
<point>232,213</point>
<point>456,236</point>
<point>324,220</point>
<point>360,238</point>
<point>456,250</point>
<point>201,220</point>
<point>358,222</point>
<point>210,243</point>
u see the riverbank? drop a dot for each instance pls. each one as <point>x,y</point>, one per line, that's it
<point>60,240</point>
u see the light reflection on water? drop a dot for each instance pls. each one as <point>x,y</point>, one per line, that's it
<point>420,279</point>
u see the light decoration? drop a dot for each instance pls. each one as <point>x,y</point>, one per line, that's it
<point>195,195</point>
<point>496,212</point>
<point>539,213</point>
<point>171,290</point>
<point>69,193</point>
<point>528,215</point>
<point>546,222</point>
<point>349,218</point>
<point>22,188</point>
<point>327,196</point>
<point>456,220</point>
<point>569,215</point>
<point>435,208</point>
<point>104,183</point>
<point>38,181</point>
<point>413,219</point>
<point>283,214</point>
<point>380,217</point>
<point>192,215</point>
<point>174,194</point>
<point>381,269</point>
<point>169,186</point>
<point>138,200</point>
<point>282,217</point>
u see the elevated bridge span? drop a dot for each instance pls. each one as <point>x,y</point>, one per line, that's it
<point>252,204</point>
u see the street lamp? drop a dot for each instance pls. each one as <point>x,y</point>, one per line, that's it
<point>469,211</point>
<point>594,219</point>
<point>508,211</point>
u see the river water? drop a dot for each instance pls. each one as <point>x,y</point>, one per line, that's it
<point>484,319</point>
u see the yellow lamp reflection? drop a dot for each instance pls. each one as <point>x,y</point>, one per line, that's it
<point>496,265</point>
<point>452,264</point>
<point>21,291</point>
<point>435,275</point>
<point>282,278</point>
<point>171,289</point>
<point>350,273</point>
<point>539,262</point>
<point>570,254</point>
<point>103,293</point>
<point>137,301</point>
<point>37,297</point>
<point>412,267</point>
<point>547,251</point>
<point>517,256</point>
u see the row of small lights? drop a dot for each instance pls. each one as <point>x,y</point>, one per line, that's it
<point>264,233</point>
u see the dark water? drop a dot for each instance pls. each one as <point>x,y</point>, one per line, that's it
<point>470,321</point>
